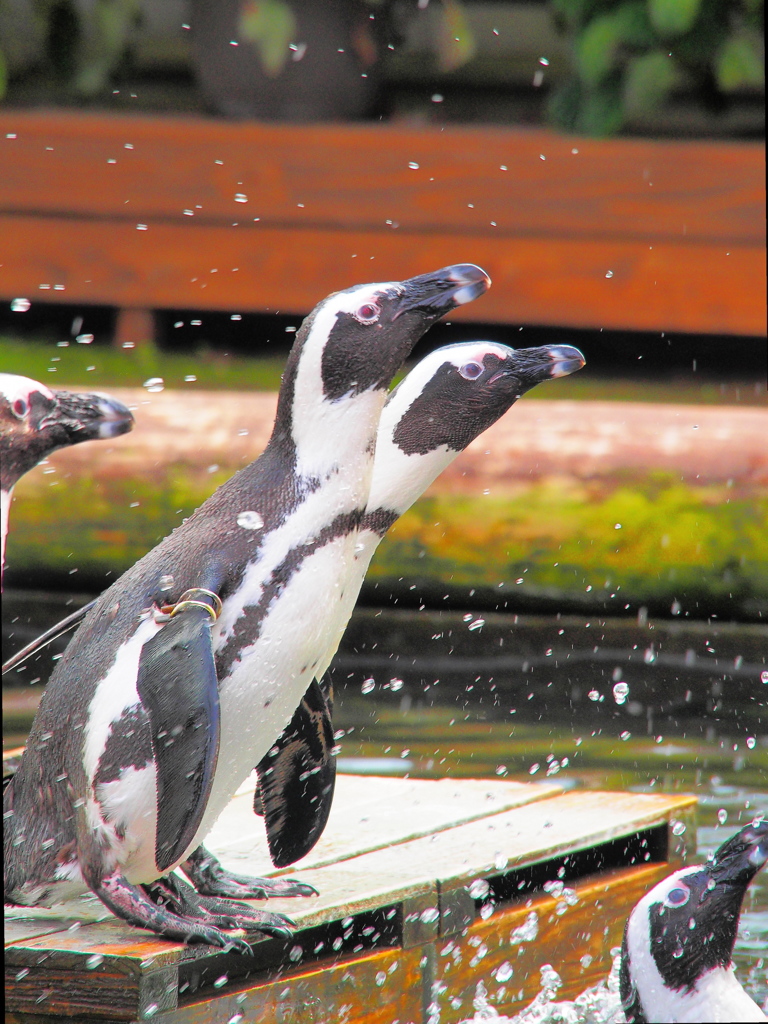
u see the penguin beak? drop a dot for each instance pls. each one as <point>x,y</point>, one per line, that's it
<point>531,366</point>
<point>739,859</point>
<point>88,417</point>
<point>438,293</point>
<point>564,359</point>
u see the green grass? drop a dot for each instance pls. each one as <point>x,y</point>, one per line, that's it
<point>101,366</point>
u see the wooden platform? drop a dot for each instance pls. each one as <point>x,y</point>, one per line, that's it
<point>191,213</point>
<point>426,888</point>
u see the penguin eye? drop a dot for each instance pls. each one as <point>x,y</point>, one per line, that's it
<point>20,408</point>
<point>470,371</point>
<point>368,313</point>
<point>678,896</point>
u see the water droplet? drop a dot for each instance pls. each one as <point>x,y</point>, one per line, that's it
<point>477,624</point>
<point>437,97</point>
<point>165,582</point>
<point>296,954</point>
<point>501,769</point>
<point>236,1019</point>
<point>84,339</point>
<point>678,828</point>
<point>22,974</point>
<point>93,961</point>
<point>250,520</point>
<point>500,861</point>
<point>609,273</point>
<point>534,768</point>
<point>478,888</point>
<point>617,526</point>
<point>368,685</point>
<point>395,685</point>
<point>190,377</point>
<point>381,977</point>
<point>593,695</point>
<point>620,692</point>
<point>150,1011</point>
<point>20,305</point>
<point>221,982</point>
<point>240,197</point>
<point>153,384</point>
<point>764,677</point>
<point>751,742</point>
<point>722,815</point>
<point>429,915</point>
<point>141,227</point>
<point>675,609</point>
<point>413,165</point>
<point>624,735</point>
<point>503,972</point>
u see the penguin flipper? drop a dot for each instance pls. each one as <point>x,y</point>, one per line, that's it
<point>297,778</point>
<point>179,690</point>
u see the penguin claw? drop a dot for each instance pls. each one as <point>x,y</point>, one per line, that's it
<point>218,913</point>
<point>211,879</point>
<point>134,904</point>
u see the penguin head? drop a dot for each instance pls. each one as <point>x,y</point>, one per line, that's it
<point>445,402</point>
<point>352,344</point>
<point>687,924</point>
<point>35,421</point>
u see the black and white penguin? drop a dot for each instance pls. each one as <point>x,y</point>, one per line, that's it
<point>35,421</point>
<point>445,402</point>
<point>676,958</point>
<point>189,667</point>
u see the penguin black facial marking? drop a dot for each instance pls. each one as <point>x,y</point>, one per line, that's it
<point>464,397</point>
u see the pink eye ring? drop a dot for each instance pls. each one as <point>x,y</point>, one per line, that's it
<point>20,407</point>
<point>678,896</point>
<point>470,371</point>
<point>368,313</point>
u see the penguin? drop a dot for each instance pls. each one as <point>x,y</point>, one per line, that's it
<point>443,404</point>
<point>35,421</point>
<point>189,667</point>
<point>676,957</point>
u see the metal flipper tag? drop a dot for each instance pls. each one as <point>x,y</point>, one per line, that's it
<point>296,780</point>
<point>178,687</point>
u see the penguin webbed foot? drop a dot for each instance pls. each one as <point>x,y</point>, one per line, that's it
<point>211,879</point>
<point>188,904</point>
<point>133,904</point>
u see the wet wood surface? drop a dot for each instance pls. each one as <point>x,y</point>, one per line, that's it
<point>386,911</point>
<point>171,212</point>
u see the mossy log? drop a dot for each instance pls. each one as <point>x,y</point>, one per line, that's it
<point>562,504</point>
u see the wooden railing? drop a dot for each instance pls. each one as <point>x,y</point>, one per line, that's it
<point>148,212</point>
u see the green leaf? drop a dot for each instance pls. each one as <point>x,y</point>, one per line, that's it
<point>270,25</point>
<point>633,26</point>
<point>648,81</point>
<point>601,111</point>
<point>740,62</point>
<point>456,42</point>
<point>673,17</point>
<point>597,49</point>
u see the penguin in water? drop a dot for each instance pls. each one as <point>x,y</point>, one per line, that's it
<point>190,666</point>
<point>443,404</point>
<point>35,421</point>
<point>676,957</point>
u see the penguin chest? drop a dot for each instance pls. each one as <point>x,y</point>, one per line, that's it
<point>271,674</point>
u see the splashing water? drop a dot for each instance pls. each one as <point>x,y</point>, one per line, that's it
<point>598,1004</point>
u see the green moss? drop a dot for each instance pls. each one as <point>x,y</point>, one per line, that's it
<point>646,543</point>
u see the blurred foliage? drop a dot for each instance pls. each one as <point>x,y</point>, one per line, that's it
<point>84,43</point>
<point>629,56</point>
